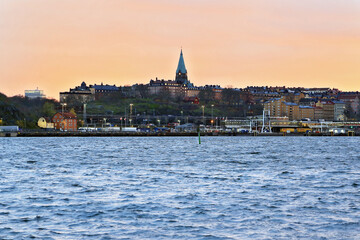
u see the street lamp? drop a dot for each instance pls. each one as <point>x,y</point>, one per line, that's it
<point>62,115</point>
<point>130,119</point>
<point>104,121</point>
<point>84,115</point>
<point>212,115</point>
<point>203,113</point>
<point>62,107</point>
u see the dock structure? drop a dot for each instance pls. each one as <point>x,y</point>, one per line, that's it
<point>283,125</point>
<point>172,134</point>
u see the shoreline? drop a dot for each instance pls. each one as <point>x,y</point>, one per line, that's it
<point>163,134</point>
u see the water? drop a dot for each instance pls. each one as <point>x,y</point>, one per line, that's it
<point>174,188</point>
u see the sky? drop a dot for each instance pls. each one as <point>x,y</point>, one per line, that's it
<point>55,45</point>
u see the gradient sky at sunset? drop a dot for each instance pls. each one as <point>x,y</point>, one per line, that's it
<point>57,44</point>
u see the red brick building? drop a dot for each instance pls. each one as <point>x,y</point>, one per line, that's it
<point>193,100</point>
<point>65,121</point>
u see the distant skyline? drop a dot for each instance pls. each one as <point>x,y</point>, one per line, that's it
<point>55,45</point>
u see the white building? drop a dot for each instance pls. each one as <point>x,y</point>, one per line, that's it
<point>34,93</point>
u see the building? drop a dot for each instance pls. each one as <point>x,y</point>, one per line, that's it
<point>34,93</point>
<point>318,113</point>
<point>308,102</point>
<point>83,93</point>
<point>339,110</point>
<point>45,123</point>
<point>65,121</point>
<point>307,112</point>
<point>181,86</point>
<point>262,94</point>
<point>352,99</point>
<point>193,100</point>
<point>80,94</point>
<point>181,76</point>
<point>274,106</point>
<point>327,110</point>
<point>102,90</point>
<point>290,110</point>
<point>168,87</point>
<point>278,107</point>
<point>294,97</point>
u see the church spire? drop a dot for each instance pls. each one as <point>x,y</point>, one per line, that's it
<point>181,72</point>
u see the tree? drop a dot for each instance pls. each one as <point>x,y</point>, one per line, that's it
<point>207,95</point>
<point>143,90</point>
<point>48,109</point>
<point>228,96</point>
<point>179,97</point>
<point>72,110</point>
<point>164,95</point>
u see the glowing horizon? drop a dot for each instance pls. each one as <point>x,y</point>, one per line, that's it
<point>55,45</point>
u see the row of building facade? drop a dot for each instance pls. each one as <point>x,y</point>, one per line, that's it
<point>64,121</point>
<point>294,103</point>
<point>328,110</point>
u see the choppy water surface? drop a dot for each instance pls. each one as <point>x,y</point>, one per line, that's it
<point>174,188</point>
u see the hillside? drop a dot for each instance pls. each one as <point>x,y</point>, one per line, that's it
<point>23,111</point>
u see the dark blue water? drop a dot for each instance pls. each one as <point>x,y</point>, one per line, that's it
<point>174,188</point>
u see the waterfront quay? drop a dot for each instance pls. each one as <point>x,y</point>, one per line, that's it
<point>248,127</point>
<point>166,134</point>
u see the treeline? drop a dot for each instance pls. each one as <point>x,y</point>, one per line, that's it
<point>228,103</point>
<point>25,112</point>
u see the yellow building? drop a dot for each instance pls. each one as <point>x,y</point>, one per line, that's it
<point>45,123</point>
<point>290,110</point>
<point>278,107</point>
<point>298,96</point>
<point>294,97</point>
<point>274,106</point>
<point>307,112</point>
<point>318,113</point>
<point>327,110</point>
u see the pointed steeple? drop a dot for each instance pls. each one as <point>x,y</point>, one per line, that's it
<point>181,65</point>
<point>181,72</point>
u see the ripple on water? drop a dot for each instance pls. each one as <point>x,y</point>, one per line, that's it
<point>174,188</point>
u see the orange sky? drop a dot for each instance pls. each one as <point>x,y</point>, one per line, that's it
<point>55,45</point>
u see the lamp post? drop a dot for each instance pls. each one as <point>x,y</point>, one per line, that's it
<point>125,117</point>
<point>62,115</point>
<point>212,115</point>
<point>85,122</point>
<point>182,116</point>
<point>130,118</point>
<point>203,113</point>
<point>62,107</point>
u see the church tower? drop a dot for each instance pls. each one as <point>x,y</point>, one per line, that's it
<point>181,73</point>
